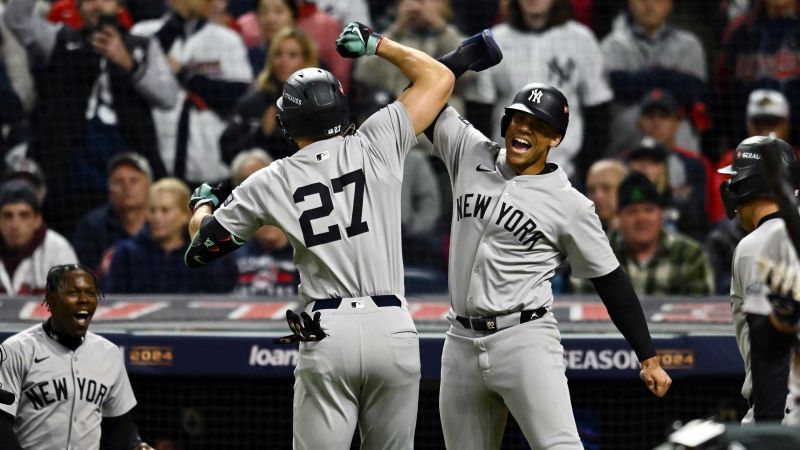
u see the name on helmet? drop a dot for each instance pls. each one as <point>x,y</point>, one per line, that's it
<point>749,155</point>
<point>292,98</point>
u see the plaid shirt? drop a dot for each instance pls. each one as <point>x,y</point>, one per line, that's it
<point>679,267</point>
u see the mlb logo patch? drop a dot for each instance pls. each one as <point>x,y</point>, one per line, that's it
<point>322,156</point>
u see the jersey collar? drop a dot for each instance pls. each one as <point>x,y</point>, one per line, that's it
<point>775,215</point>
<point>70,342</point>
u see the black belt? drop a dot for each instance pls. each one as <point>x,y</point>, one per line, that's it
<point>490,323</point>
<point>334,303</point>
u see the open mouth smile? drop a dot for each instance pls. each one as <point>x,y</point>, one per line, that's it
<point>520,145</point>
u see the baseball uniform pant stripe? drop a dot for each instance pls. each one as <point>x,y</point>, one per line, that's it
<point>518,370</point>
<point>365,373</point>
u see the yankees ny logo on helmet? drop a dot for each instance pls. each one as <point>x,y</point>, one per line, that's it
<point>536,96</point>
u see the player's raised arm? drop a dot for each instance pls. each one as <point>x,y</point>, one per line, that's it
<point>432,81</point>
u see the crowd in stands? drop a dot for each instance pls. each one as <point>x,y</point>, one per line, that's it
<point>112,111</point>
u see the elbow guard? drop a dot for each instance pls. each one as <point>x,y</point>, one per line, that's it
<point>212,242</point>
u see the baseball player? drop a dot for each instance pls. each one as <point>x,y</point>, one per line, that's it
<point>781,279</point>
<point>765,352</point>
<point>70,385</point>
<point>338,201</point>
<point>516,218</point>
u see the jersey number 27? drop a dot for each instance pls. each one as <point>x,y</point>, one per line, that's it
<point>357,226</point>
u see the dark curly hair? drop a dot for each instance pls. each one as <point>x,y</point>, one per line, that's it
<point>57,276</point>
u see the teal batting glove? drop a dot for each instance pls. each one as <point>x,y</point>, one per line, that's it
<point>357,40</point>
<point>207,195</point>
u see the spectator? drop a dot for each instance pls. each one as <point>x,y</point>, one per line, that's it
<point>66,11</point>
<point>270,17</point>
<point>13,127</point>
<point>28,248</point>
<point>96,87</point>
<point>265,264</point>
<point>541,43</point>
<point>692,173</point>
<point>756,52</point>
<point>346,11</point>
<point>602,182</point>
<point>123,216</point>
<point>768,112</point>
<point>17,68</point>
<point>253,124</point>
<point>683,204</point>
<point>658,261</point>
<point>210,62</point>
<point>152,262</point>
<point>27,170</point>
<point>218,13</point>
<point>424,25</point>
<point>259,27</point>
<point>644,53</point>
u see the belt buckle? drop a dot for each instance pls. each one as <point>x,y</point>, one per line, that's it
<point>491,324</point>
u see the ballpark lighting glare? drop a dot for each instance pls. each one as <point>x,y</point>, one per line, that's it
<point>697,432</point>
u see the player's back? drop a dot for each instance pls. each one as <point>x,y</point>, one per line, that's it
<point>338,200</point>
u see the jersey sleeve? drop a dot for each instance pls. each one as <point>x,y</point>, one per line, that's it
<point>453,135</point>
<point>390,136</point>
<point>775,250</point>
<point>120,399</point>
<point>12,373</point>
<point>594,88</point>
<point>245,210</point>
<point>586,245</point>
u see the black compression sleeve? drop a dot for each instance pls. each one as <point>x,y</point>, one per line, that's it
<point>7,437</point>
<point>429,131</point>
<point>212,242</point>
<point>119,433</point>
<point>616,291</point>
<point>770,353</point>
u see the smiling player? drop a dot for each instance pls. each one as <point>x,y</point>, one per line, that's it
<point>517,218</point>
<point>71,387</point>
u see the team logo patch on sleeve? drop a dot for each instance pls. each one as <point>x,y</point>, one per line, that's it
<point>228,200</point>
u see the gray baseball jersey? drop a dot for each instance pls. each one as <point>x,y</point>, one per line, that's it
<point>62,395</point>
<point>770,242</point>
<point>509,234</point>
<point>338,201</point>
<point>506,245</point>
<point>747,292</point>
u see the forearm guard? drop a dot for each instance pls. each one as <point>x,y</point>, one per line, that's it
<point>212,242</point>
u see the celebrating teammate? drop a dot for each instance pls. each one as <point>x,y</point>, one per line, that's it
<point>70,385</point>
<point>765,352</point>
<point>338,201</point>
<point>516,218</point>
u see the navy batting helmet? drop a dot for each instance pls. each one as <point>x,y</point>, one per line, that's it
<point>313,105</point>
<point>748,176</point>
<point>544,102</point>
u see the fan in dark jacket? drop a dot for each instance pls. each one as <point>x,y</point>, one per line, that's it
<point>253,123</point>
<point>96,87</point>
